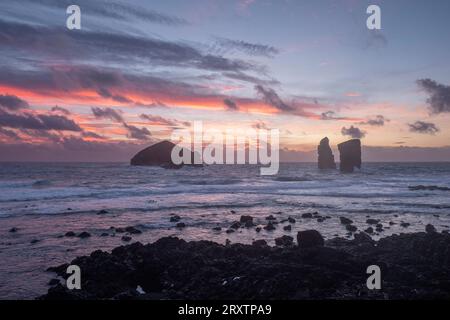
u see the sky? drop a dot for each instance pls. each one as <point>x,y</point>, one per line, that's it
<point>137,70</point>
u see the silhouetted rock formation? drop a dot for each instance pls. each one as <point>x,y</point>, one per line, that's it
<point>350,155</point>
<point>158,154</point>
<point>326,158</point>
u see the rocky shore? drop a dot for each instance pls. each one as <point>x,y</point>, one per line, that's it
<point>413,266</point>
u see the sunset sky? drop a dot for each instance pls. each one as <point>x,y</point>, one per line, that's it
<point>139,69</point>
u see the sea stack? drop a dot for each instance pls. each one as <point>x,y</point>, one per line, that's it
<point>159,154</point>
<point>350,155</point>
<point>326,158</point>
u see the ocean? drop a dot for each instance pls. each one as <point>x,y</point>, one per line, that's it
<point>46,200</point>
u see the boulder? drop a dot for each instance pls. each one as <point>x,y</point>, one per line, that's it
<point>429,228</point>
<point>84,235</point>
<point>284,241</point>
<point>350,155</point>
<point>345,220</point>
<point>326,158</point>
<point>246,219</point>
<point>160,154</point>
<point>309,239</point>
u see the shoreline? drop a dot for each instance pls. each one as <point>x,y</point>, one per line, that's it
<point>413,266</point>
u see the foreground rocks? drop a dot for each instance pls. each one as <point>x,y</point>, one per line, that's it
<point>413,266</point>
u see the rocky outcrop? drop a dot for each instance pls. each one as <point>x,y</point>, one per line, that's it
<point>326,158</point>
<point>350,155</point>
<point>414,266</point>
<point>159,154</point>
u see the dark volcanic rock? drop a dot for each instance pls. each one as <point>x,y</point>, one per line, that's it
<point>429,228</point>
<point>126,238</point>
<point>175,218</point>
<point>309,238</point>
<point>84,235</point>
<point>414,266</point>
<point>307,215</point>
<point>351,228</point>
<point>326,158</point>
<point>259,243</point>
<point>180,225</point>
<point>372,221</point>
<point>133,230</point>
<point>345,220</point>
<point>284,241</point>
<point>13,230</point>
<point>246,219</point>
<point>287,228</point>
<point>350,155</point>
<point>70,234</point>
<point>269,227</point>
<point>159,154</point>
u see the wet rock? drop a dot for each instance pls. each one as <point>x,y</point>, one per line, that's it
<point>271,217</point>
<point>233,212</point>
<point>126,238</point>
<point>321,219</point>
<point>13,230</point>
<point>369,230</point>
<point>84,235</point>
<point>217,229</point>
<point>54,282</point>
<point>287,228</point>
<point>120,230</point>
<point>405,224</point>
<point>246,219</point>
<point>291,220</point>
<point>345,220</point>
<point>350,155</point>
<point>307,215</point>
<point>259,243</point>
<point>379,227</point>
<point>133,230</point>
<point>284,241</point>
<point>180,225</point>
<point>235,225</point>
<point>269,227</point>
<point>350,228</point>
<point>230,231</point>
<point>362,237</point>
<point>326,158</point>
<point>372,221</point>
<point>70,234</point>
<point>34,241</point>
<point>175,218</point>
<point>104,234</point>
<point>102,212</point>
<point>309,239</point>
<point>258,229</point>
<point>429,228</point>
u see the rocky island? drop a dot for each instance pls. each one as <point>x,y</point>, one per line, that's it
<point>326,158</point>
<point>350,155</point>
<point>159,154</point>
